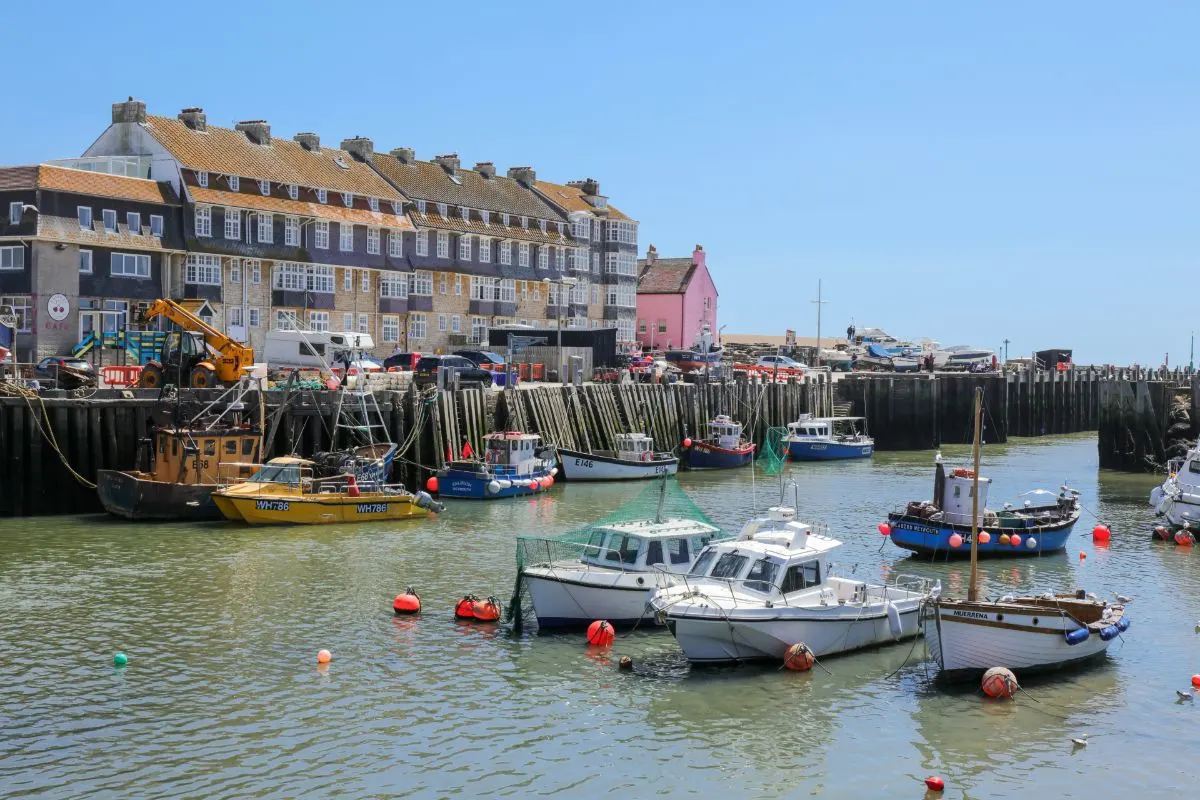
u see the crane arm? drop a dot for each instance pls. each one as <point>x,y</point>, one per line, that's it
<point>185,319</point>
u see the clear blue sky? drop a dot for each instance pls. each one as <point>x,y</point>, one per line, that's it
<point>966,171</point>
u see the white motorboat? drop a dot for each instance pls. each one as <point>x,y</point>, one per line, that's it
<point>634,459</point>
<point>961,356</point>
<point>756,596</point>
<point>1024,634</point>
<point>621,565</point>
<point>1177,500</point>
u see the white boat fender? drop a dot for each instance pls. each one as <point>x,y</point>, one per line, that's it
<point>493,487</point>
<point>893,615</point>
<point>505,484</point>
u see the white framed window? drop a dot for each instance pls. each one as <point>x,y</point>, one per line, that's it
<point>525,222</point>
<point>595,293</point>
<point>255,270</point>
<point>364,323</point>
<point>373,241</point>
<point>620,264</point>
<point>479,329</point>
<point>84,215</point>
<point>321,234</point>
<point>417,326</point>
<point>537,292</point>
<point>443,281</point>
<point>293,191</point>
<point>392,285</point>
<point>265,188</point>
<point>506,253</point>
<point>129,265</point>
<point>255,317</point>
<point>322,196</point>
<point>542,225</point>
<point>235,183</point>
<point>233,224</point>
<point>560,259</point>
<point>85,262</point>
<point>202,178</point>
<point>22,306</point>
<point>203,220</point>
<point>422,283</point>
<point>508,291</point>
<point>443,245</point>
<point>464,248</point>
<point>504,218</point>
<point>235,317</point>
<point>543,257</point>
<point>347,321</point>
<point>397,209</point>
<point>596,263</point>
<point>458,283</point>
<point>485,250</point>
<point>318,320</point>
<point>420,206</point>
<point>395,244</point>
<point>201,269</point>
<point>235,271</point>
<point>581,227</point>
<point>423,243</point>
<point>156,225</point>
<point>347,280</point>
<point>110,220</point>
<point>389,327</point>
<point>266,227</point>
<point>442,209</point>
<point>133,221</point>
<point>465,212</point>
<point>291,231</point>
<point>443,323</point>
<point>348,199</point>
<point>345,237</point>
<point>456,324</point>
<point>373,203</point>
<point>285,320</point>
<point>481,288</point>
<point>523,254</point>
<point>524,290</point>
<point>486,216</point>
<point>364,281</point>
<point>320,279</point>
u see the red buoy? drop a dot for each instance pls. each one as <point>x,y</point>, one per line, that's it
<point>799,658</point>
<point>1014,540</point>
<point>1184,538</point>
<point>534,485</point>
<point>466,607</point>
<point>352,487</point>
<point>486,610</point>
<point>431,484</point>
<point>687,442</point>
<point>885,529</point>
<point>935,784</point>
<point>1162,532</point>
<point>956,540</point>
<point>547,481</point>
<point>984,537</point>
<point>1101,533</point>
<point>1196,681</point>
<point>407,603</point>
<point>600,633</point>
<point>1000,682</point>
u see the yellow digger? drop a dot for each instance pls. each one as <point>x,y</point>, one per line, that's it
<point>196,355</point>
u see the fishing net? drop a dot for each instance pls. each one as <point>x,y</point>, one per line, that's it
<point>663,499</point>
<point>773,454</point>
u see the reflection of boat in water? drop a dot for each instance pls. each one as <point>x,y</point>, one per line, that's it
<point>1177,500</point>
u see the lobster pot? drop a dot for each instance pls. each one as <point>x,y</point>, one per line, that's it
<point>956,503</point>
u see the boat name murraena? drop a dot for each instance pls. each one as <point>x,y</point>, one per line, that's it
<point>971,614</point>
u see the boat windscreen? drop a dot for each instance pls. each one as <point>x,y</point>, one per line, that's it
<point>277,473</point>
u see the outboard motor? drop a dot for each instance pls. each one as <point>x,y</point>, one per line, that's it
<point>428,503</point>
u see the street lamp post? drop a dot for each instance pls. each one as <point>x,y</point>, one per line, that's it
<point>562,282</point>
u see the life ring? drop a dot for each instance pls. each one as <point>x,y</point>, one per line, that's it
<point>647,455</point>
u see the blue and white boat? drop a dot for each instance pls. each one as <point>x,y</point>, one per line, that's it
<point>511,462</point>
<point>943,527</point>
<point>828,438</point>
<point>723,448</point>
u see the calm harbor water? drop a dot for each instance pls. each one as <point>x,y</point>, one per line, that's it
<point>223,697</point>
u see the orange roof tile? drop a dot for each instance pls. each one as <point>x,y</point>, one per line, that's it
<point>80,181</point>
<point>281,205</point>
<point>497,229</point>
<point>228,152</point>
<point>427,180</point>
<point>571,198</point>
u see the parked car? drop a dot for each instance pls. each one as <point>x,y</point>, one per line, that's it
<point>482,358</point>
<point>427,369</point>
<point>401,361</point>
<point>782,362</point>
<point>48,367</point>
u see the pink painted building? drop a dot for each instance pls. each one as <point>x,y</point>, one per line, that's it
<point>676,297</point>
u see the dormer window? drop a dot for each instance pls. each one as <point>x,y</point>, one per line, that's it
<point>265,188</point>
<point>486,216</point>
<point>466,213</point>
<point>202,178</point>
<point>443,209</point>
<point>322,196</point>
<point>542,225</point>
<point>504,218</point>
<point>420,206</point>
<point>235,183</point>
<point>524,222</point>
<point>562,228</point>
<point>293,191</point>
<point>397,207</point>
<point>347,199</point>
<point>373,203</point>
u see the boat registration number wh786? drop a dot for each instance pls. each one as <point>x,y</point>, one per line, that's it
<point>271,505</point>
<point>372,508</point>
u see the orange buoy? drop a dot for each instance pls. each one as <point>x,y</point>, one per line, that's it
<point>1014,540</point>
<point>431,484</point>
<point>799,658</point>
<point>956,540</point>
<point>935,784</point>
<point>324,656</point>
<point>1101,533</point>
<point>1196,681</point>
<point>407,603</point>
<point>465,609</point>
<point>984,537</point>
<point>1184,538</point>
<point>486,610</point>
<point>534,485</point>
<point>1003,538</point>
<point>547,481</point>
<point>600,633</point>
<point>1000,682</point>
<point>1082,555</point>
<point>352,487</point>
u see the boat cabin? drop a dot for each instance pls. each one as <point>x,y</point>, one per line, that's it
<point>669,545</point>
<point>958,488</point>
<point>512,452</point>
<point>634,447</point>
<point>725,433</point>
<point>194,456</point>
<point>289,470</point>
<point>813,428</point>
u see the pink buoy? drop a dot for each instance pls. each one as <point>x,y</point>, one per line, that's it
<point>984,537</point>
<point>1014,540</point>
<point>956,540</point>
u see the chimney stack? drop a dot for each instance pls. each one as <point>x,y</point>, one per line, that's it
<point>194,118</point>
<point>309,141</point>
<point>405,155</point>
<point>486,168</point>
<point>129,111</point>
<point>591,187</point>
<point>256,130</point>
<point>523,175</point>
<point>651,256</point>
<point>448,162</point>
<point>360,147</point>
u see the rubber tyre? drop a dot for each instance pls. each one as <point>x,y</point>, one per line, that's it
<point>151,377</point>
<point>202,378</point>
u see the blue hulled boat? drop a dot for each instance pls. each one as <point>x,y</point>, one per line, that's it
<point>828,438</point>
<point>723,448</point>
<point>511,463</point>
<point>930,528</point>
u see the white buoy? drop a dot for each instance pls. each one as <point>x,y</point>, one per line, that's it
<point>505,483</point>
<point>893,615</point>
<point>493,487</point>
<point>554,471</point>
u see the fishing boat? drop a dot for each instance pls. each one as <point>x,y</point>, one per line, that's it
<point>704,353</point>
<point>724,448</point>
<point>511,462</point>
<point>1177,500</point>
<point>1024,634</point>
<point>634,459</point>
<point>828,438</point>
<point>944,526</point>
<point>754,597</point>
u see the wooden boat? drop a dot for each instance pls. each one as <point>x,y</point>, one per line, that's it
<point>511,462</point>
<point>723,448</point>
<point>703,354</point>
<point>634,459</point>
<point>1025,634</point>
<point>828,438</point>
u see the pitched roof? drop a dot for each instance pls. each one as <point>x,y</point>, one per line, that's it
<point>571,198</point>
<point>66,229</point>
<point>281,205</point>
<point>495,228</point>
<point>665,275</point>
<point>229,152</point>
<point>426,180</point>
<point>80,181</point>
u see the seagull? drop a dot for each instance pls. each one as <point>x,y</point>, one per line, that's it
<point>1081,741</point>
<point>1184,695</point>
<point>1122,598</point>
<point>1092,597</point>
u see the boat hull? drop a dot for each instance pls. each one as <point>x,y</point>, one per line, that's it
<point>710,635</point>
<point>133,496</point>
<point>579,466</point>
<point>827,451</point>
<point>563,600</point>
<point>463,485</point>
<point>703,455</point>
<point>266,509</point>
<point>933,539</point>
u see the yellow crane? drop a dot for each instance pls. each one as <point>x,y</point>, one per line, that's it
<point>196,355</point>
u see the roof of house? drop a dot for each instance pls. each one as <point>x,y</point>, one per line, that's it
<point>426,180</point>
<point>571,198</point>
<point>665,275</point>
<point>85,182</point>
<point>229,152</point>
<point>495,227</point>
<point>282,205</point>
<point>66,229</point>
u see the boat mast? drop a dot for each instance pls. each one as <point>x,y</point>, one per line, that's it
<point>973,586</point>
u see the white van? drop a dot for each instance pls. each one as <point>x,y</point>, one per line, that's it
<point>314,349</point>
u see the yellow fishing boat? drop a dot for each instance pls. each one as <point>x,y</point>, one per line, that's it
<point>285,492</point>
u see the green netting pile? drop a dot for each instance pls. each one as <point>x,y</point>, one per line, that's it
<point>773,454</point>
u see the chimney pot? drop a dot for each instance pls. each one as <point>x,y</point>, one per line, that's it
<point>523,175</point>
<point>405,155</point>
<point>360,147</point>
<point>448,162</point>
<point>309,141</point>
<point>129,111</point>
<point>194,118</point>
<point>591,187</point>
<point>486,168</point>
<point>256,130</point>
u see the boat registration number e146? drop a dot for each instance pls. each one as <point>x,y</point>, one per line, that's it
<point>372,508</point>
<point>271,505</point>
<point>583,462</point>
